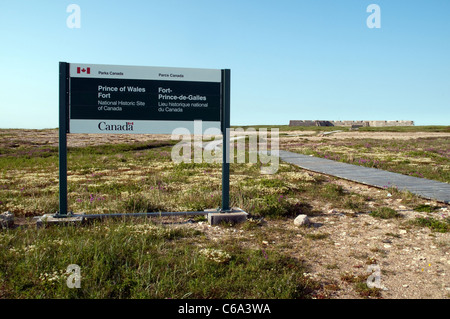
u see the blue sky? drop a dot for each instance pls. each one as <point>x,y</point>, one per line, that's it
<point>304,59</point>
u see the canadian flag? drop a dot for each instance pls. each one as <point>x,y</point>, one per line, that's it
<point>84,70</point>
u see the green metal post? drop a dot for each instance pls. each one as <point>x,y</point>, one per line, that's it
<point>225,140</point>
<point>63,129</point>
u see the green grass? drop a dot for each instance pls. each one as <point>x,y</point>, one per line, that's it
<point>317,236</point>
<point>424,128</point>
<point>357,205</point>
<point>287,128</point>
<point>113,149</point>
<point>127,259</point>
<point>366,292</point>
<point>432,223</point>
<point>138,259</point>
<point>332,192</point>
<point>360,285</point>
<point>123,259</point>
<point>385,213</point>
<point>426,208</point>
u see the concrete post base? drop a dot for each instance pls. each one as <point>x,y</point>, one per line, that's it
<point>234,216</point>
<point>50,219</point>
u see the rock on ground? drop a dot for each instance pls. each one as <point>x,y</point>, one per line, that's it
<point>6,220</point>
<point>301,220</point>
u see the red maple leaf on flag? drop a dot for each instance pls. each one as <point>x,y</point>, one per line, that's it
<point>83,70</point>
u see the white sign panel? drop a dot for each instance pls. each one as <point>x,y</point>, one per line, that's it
<point>138,100</point>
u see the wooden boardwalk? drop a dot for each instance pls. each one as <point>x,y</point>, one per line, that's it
<point>371,176</point>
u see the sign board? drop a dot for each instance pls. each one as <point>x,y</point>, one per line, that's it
<point>118,99</point>
<point>115,99</point>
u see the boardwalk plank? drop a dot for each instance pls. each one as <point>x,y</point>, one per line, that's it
<point>371,176</point>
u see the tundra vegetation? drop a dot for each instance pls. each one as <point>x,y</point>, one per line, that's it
<point>160,258</point>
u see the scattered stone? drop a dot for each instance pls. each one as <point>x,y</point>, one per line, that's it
<point>421,258</point>
<point>405,286</point>
<point>301,220</point>
<point>6,220</point>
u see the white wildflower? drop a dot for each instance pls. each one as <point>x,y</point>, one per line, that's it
<point>216,255</point>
